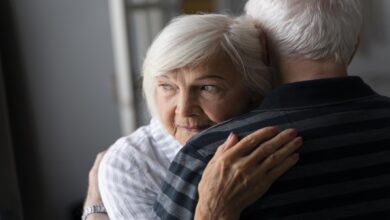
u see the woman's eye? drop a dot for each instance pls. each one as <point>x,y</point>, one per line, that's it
<point>209,88</point>
<point>166,87</point>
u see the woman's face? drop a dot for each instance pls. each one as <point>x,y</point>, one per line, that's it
<point>192,99</point>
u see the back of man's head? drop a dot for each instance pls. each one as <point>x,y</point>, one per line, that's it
<point>310,29</point>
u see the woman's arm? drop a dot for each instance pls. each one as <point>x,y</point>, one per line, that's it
<point>242,171</point>
<point>127,185</point>
<point>93,197</point>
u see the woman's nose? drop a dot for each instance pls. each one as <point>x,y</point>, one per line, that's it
<point>186,105</point>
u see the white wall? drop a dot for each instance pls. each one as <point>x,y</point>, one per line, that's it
<point>372,61</point>
<point>67,60</point>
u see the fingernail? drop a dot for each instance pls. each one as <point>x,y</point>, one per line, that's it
<point>298,140</point>
<point>292,132</point>
<point>273,130</point>
<point>231,135</point>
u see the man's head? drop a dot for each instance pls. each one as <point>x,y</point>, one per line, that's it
<point>311,30</point>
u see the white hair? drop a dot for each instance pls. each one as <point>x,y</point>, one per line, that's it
<point>191,40</point>
<point>310,29</point>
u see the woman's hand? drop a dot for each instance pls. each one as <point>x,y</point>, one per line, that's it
<point>242,171</point>
<point>93,194</point>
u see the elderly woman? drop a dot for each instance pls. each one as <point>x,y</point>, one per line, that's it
<point>199,71</point>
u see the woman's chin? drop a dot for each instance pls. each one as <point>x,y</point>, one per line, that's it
<point>183,137</point>
<point>183,140</point>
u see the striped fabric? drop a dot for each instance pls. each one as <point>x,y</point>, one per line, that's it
<point>132,171</point>
<point>344,167</point>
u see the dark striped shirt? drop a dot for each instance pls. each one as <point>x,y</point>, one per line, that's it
<point>344,166</point>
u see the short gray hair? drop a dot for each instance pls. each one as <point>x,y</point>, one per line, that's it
<point>310,29</point>
<point>191,40</point>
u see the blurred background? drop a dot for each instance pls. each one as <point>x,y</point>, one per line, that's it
<point>70,86</point>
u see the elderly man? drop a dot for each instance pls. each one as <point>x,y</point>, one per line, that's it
<point>343,169</point>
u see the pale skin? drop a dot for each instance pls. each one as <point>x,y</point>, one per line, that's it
<point>297,69</point>
<point>192,99</point>
<point>302,70</point>
<point>93,194</point>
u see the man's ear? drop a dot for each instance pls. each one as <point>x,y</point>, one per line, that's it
<point>355,50</point>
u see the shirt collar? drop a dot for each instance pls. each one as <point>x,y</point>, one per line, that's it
<point>316,92</point>
<point>164,141</point>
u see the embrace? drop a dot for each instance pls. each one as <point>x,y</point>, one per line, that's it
<point>253,117</point>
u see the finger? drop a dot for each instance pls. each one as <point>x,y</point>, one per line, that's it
<point>252,141</point>
<point>282,168</point>
<point>99,157</point>
<point>230,141</point>
<point>271,146</point>
<point>280,155</point>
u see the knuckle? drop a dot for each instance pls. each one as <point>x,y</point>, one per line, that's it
<point>246,182</point>
<point>269,130</point>
<point>220,149</point>
<point>224,161</point>
<point>274,157</point>
<point>267,147</point>
<point>238,167</point>
<point>250,139</point>
<point>279,137</point>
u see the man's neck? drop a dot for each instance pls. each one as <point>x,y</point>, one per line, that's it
<point>295,71</point>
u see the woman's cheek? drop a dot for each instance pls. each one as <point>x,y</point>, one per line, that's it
<point>167,113</point>
<point>216,112</point>
<point>228,108</point>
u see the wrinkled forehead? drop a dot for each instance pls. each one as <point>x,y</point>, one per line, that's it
<point>213,63</point>
<point>219,65</point>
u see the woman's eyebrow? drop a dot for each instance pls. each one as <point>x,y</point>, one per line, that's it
<point>162,76</point>
<point>212,77</point>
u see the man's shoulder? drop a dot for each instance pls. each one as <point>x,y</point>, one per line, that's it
<point>381,98</point>
<point>257,115</point>
<point>372,102</point>
<point>204,144</point>
<point>259,118</point>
